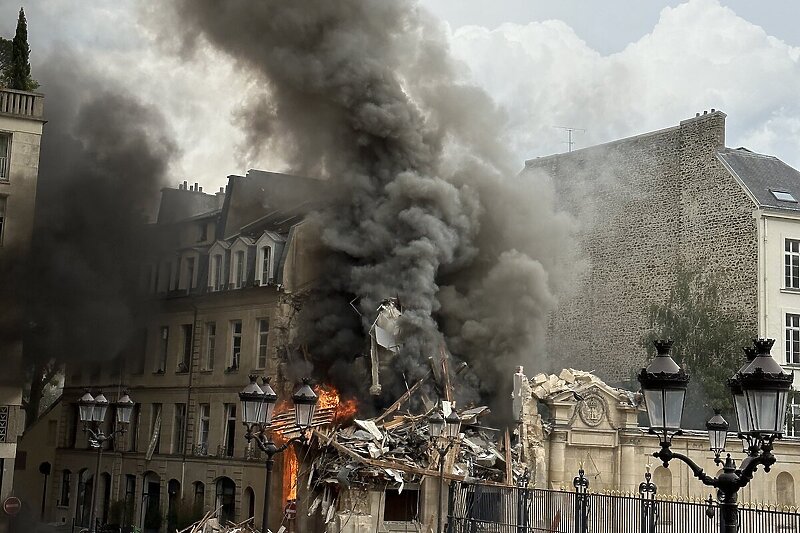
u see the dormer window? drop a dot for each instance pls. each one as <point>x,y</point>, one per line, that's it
<point>239,262</point>
<point>216,272</point>
<point>266,260</point>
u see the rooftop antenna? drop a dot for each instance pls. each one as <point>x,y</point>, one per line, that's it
<point>569,130</point>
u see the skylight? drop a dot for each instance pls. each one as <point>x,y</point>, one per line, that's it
<point>783,196</point>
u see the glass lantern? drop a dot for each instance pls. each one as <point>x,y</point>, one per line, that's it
<point>717,428</point>
<point>124,408</point>
<point>766,391</point>
<point>305,404</point>
<point>86,407</point>
<point>664,385</point>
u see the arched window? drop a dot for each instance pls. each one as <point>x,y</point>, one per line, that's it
<point>150,519</point>
<point>199,496</point>
<point>784,486</point>
<point>250,502</point>
<point>226,499</point>
<point>85,481</point>
<point>173,497</point>
<point>66,487</point>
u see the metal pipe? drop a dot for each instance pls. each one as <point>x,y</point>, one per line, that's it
<point>96,482</point>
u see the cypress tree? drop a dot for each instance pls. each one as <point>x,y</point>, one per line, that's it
<point>19,72</point>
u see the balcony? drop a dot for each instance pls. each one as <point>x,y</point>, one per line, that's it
<point>21,104</point>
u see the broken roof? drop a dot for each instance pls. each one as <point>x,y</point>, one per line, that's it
<point>269,200</point>
<point>769,181</point>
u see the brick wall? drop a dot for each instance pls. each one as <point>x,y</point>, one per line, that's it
<point>642,205</point>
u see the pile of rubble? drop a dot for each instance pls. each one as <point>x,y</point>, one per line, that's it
<point>210,523</point>
<point>544,386</point>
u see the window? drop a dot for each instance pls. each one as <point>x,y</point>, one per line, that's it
<point>792,338</point>
<point>199,495</point>
<point>236,343</point>
<point>226,499</point>
<point>5,144</point>
<point>266,256</point>
<point>132,435</point>
<point>401,506</point>
<point>263,337</point>
<point>211,341</point>
<point>190,273</point>
<point>203,232</point>
<point>163,338</point>
<point>138,351</point>
<point>3,202</point>
<point>239,270</point>
<point>178,428</point>
<point>791,264</point>
<point>186,353</point>
<point>203,415</point>
<point>783,196</point>
<point>66,486</point>
<point>216,273</point>
<point>230,429</point>
<point>130,502</point>
<point>793,418</point>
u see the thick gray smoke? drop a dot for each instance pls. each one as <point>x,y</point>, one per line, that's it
<point>363,92</point>
<point>103,158</point>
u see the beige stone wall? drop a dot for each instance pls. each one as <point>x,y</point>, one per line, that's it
<point>643,204</point>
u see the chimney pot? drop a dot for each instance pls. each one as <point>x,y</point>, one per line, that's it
<point>705,112</point>
<point>697,114</point>
<point>712,109</point>
<point>185,184</point>
<point>222,190</point>
<point>195,186</point>
<point>200,189</point>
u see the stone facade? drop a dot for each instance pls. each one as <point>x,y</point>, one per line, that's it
<point>642,205</point>
<point>21,126</point>
<point>588,424</point>
<point>185,445</point>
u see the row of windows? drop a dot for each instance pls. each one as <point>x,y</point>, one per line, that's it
<point>151,488</point>
<point>183,273</point>
<point>209,349</point>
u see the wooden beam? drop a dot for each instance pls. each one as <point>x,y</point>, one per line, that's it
<point>403,399</point>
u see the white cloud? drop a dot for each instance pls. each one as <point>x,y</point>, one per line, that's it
<point>699,56</point>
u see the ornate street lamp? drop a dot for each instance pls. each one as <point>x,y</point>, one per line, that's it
<point>762,385</point>
<point>717,428</point>
<point>258,406</point>
<point>444,431</point>
<point>92,412</point>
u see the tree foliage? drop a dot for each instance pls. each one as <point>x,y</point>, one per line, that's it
<point>708,341</point>
<point>17,75</point>
<point>6,45</point>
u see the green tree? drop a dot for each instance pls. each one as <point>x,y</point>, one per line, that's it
<point>708,341</point>
<point>18,73</point>
<point>6,45</point>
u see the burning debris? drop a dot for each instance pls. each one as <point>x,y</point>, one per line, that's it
<point>395,450</point>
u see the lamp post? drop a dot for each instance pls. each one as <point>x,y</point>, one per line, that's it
<point>258,406</point>
<point>92,412</point>
<point>760,390</point>
<point>443,434</point>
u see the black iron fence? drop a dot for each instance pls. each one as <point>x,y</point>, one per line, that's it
<point>478,508</point>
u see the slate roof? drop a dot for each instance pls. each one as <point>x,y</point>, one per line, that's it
<point>762,174</point>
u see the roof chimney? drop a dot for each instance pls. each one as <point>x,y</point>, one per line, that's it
<point>185,185</point>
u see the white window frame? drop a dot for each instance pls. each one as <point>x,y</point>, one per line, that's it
<point>203,428</point>
<point>792,338</point>
<point>211,346</point>
<point>163,350</point>
<point>262,343</point>
<point>189,276</point>
<point>236,352</point>
<point>227,439</point>
<point>5,158</point>
<point>239,268</point>
<point>791,264</point>
<point>793,420</point>
<point>178,429</point>
<point>265,261</point>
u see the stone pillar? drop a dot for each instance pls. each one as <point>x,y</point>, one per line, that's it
<point>558,446</point>
<point>629,468</point>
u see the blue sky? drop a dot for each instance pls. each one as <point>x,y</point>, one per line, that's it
<point>614,68</point>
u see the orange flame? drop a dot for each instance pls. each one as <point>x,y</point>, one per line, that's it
<point>329,398</point>
<point>290,467</point>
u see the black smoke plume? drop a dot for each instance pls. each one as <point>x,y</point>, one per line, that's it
<point>104,156</point>
<point>364,93</point>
